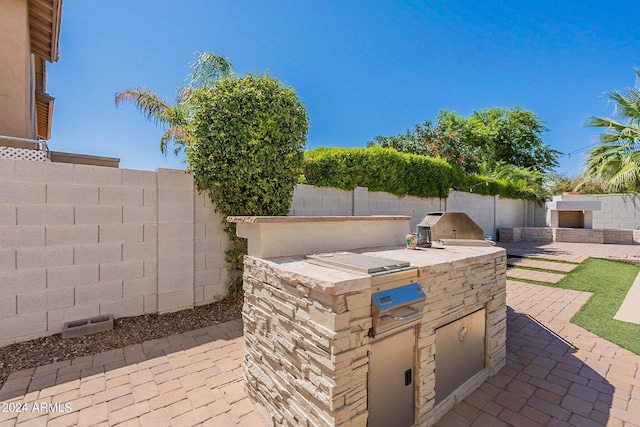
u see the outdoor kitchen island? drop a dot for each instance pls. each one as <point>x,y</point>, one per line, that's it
<point>317,351</point>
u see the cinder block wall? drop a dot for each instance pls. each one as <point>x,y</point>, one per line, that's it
<point>621,211</point>
<point>491,213</point>
<point>79,241</point>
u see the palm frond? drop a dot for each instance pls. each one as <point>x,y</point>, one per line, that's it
<point>208,68</point>
<point>150,105</point>
<point>180,136</point>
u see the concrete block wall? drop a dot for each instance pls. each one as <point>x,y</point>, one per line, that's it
<point>79,241</point>
<point>481,209</point>
<point>621,211</point>
<point>210,243</point>
<point>380,203</point>
<point>309,200</point>
<point>491,213</point>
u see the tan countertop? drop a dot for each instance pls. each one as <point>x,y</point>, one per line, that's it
<point>314,219</point>
<point>296,270</point>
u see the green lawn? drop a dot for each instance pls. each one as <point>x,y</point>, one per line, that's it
<point>609,282</point>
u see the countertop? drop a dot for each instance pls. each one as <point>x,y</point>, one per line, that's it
<point>296,270</point>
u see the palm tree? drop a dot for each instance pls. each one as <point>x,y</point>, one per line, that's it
<point>526,180</point>
<point>616,161</point>
<point>205,71</point>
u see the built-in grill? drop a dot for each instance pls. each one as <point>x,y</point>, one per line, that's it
<point>397,302</point>
<point>450,228</point>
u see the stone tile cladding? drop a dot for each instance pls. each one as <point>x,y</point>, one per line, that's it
<point>306,352</point>
<point>451,293</point>
<point>570,235</point>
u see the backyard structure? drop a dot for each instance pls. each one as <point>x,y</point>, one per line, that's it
<point>157,245</point>
<point>309,346</point>
<point>30,31</point>
<point>573,377</point>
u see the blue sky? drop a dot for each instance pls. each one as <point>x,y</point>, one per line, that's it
<point>361,68</point>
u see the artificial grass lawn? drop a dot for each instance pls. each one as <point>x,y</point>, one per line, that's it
<point>609,281</point>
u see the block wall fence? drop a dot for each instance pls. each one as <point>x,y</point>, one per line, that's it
<point>79,241</point>
<point>490,212</point>
<point>619,211</point>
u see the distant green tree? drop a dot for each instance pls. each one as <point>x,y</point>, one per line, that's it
<point>558,184</point>
<point>433,141</point>
<point>616,161</point>
<point>511,136</point>
<point>525,180</point>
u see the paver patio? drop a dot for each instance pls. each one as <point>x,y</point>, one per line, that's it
<point>557,374</point>
<point>545,265</point>
<point>539,276</point>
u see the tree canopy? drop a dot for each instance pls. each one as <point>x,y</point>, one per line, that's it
<point>511,136</point>
<point>433,141</point>
<point>493,136</point>
<point>244,140</point>
<point>176,119</point>
<point>616,161</point>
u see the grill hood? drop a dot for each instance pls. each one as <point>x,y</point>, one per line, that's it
<point>451,225</point>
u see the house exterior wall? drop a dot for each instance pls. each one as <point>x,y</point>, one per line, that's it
<point>17,117</point>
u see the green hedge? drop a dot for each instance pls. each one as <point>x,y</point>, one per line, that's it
<point>385,169</point>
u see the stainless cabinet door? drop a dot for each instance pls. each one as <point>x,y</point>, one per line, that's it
<point>391,387</point>
<point>460,352</point>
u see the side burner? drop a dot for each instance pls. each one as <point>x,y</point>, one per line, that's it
<point>351,262</point>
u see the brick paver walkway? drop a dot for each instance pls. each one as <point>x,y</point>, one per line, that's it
<point>190,379</point>
<point>574,252</point>
<point>538,276</point>
<point>557,374</point>
<point>545,265</point>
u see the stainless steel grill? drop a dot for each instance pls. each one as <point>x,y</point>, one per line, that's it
<point>453,228</point>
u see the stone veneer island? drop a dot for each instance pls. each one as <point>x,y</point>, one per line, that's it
<point>306,327</point>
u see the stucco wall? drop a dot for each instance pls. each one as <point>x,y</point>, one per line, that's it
<point>15,90</point>
<point>79,241</point>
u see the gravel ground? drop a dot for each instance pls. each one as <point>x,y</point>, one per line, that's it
<point>126,331</point>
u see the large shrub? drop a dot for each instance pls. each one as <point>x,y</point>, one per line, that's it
<point>385,169</point>
<point>379,169</point>
<point>247,151</point>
